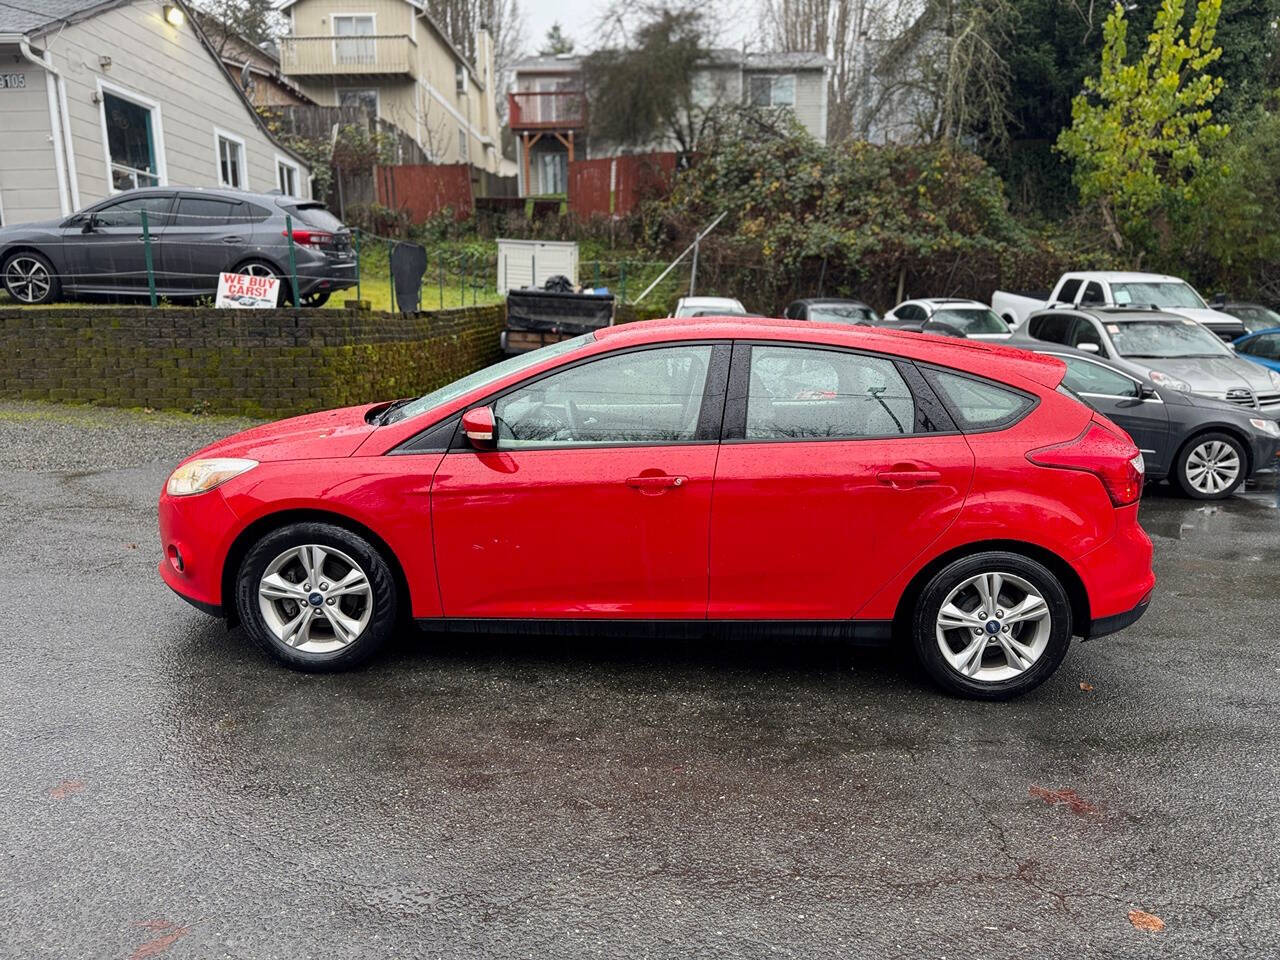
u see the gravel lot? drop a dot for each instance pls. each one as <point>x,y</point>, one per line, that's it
<point>167,791</point>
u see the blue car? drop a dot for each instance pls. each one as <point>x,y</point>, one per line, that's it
<point>1262,348</point>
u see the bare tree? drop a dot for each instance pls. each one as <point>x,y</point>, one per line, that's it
<point>254,21</point>
<point>504,20</point>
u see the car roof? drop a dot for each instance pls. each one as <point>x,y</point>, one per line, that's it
<point>814,301</point>
<point>1121,276</point>
<point>957,301</point>
<point>222,192</point>
<point>706,301</point>
<point>974,356</point>
<point>1111,314</point>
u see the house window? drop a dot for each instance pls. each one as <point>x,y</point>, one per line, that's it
<point>358,47</point>
<point>460,77</point>
<point>131,143</point>
<point>366,97</point>
<point>231,165</point>
<point>777,91</point>
<point>288,177</point>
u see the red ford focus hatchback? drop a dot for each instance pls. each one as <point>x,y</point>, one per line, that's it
<point>686,475</point>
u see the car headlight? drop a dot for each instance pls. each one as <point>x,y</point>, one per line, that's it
<point>1275,379</point>
<point>197,476</point>
<point>1269,427</point>
<point>1162,379</point>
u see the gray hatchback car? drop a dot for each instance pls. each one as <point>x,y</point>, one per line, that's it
<point>195,234</point>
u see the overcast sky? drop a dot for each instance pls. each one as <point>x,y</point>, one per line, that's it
<point>579,18</point>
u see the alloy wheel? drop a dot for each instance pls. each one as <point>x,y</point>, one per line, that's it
<point>27,279</point>
<point>315,599</point>
<point>1212,467</point>
<point>993,627</point>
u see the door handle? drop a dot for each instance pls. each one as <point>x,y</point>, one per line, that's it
<point>655,483</point>
<point>905,479</point>
<point>233,239</point>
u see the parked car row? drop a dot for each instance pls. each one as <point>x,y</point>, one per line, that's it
<point>194,235</point>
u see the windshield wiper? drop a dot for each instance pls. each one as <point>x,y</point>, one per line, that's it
<point>385,417</point>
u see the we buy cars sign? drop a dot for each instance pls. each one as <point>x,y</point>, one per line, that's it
<point>239,291</point>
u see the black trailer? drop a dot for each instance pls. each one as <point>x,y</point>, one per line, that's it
<point>536,318</point>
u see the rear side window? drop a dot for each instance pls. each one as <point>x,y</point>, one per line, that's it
<point>1093,294</point>
<point>798,393</point>
<point>1051,327</point>
<point>979,404</point>
<point>205,212</point>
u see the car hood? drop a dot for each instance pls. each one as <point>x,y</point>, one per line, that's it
<point>313,436</point>
<point>1209,374</point>
<point>27,231</point>
<point>1214,318</point>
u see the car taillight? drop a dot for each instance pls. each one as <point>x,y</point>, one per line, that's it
<point>1112,458</point>
<point>312,238</point>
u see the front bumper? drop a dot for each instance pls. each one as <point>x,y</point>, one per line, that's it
<point>195,534</point>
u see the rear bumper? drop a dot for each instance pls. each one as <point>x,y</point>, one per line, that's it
<point>1117,621</point>
<point>1117,576</point>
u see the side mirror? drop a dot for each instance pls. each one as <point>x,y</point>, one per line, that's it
<point>90,224</point>
<point>480,428</point>
<point>1147,392</point>
<point>1089,347</point>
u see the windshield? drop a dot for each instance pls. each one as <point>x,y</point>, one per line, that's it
<point>971,320</point>
<point>1156,293</point>
<point>452,391</point>
<point>1165,339</point>
<point>842,313</point>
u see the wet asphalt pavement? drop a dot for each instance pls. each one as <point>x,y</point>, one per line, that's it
<point>166,791</point>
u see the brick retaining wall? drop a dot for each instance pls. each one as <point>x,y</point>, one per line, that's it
<point>256,362</point>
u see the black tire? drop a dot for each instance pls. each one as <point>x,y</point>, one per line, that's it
<point>924,626</point>
<point>37,269</point>
<point>314,301</point>
<point>383,596</point>
<point>1182,466</point>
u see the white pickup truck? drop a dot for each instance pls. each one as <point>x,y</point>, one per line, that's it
<point>1106,289</point>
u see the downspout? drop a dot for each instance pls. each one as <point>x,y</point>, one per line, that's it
<point>57,123</point>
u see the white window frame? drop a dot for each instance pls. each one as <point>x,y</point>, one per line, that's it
<point>219,135</point>
<point>283,161</point>
<point>157,130</point>
<point>773,79</point>
<point>337,38</point>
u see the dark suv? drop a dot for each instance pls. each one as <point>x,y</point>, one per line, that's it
<point>196,234</point>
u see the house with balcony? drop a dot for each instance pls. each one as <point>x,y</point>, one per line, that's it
<point>100,97</point>
<point>547,107</point>
<point>393,57</point>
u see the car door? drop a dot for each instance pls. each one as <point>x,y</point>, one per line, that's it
<point>207,236</point>
<point>596,501</point>
<point>1120,397</point>
<point>836,470</point>
<point>105,248</point>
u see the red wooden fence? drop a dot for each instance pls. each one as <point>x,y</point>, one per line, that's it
<point>426,189</point>
<point>615,185</point>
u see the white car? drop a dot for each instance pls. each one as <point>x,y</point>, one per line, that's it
<point>709,307</point>
<point>969,318</point>
<point>1100,288</point>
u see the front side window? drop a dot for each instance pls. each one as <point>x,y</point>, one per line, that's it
<point>128,213</point>
<point>1093,294</point>
<point>1084,332</point>
<point>979,404</point>
<point>646,396</point>
<point>231,172</point>
<point>1084,377</point>
<point>800,393</point>
<point>131,143</point>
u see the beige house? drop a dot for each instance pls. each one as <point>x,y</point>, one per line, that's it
<point>548,109</point>
<point>97,97</point>
<point>392,56</point>
<point>255,68</point>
